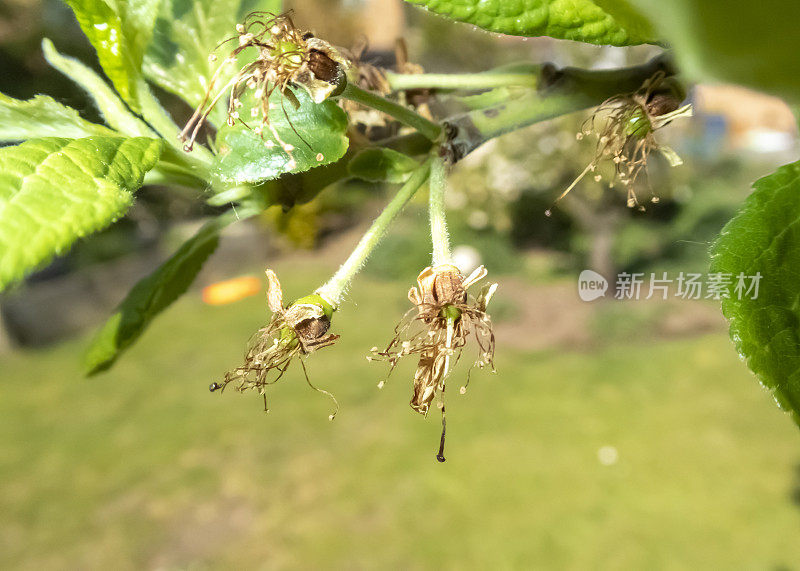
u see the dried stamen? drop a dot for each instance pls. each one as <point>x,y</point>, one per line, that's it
<point>436,331</point>
<point>626,138</point>
<point>285,57</point>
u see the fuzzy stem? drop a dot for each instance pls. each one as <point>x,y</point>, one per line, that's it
<point>439,235</point>
<point>486,80</point>
<point>333,290</point>
<point>406,116</point>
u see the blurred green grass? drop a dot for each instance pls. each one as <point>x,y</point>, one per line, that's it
<point>144,468</point>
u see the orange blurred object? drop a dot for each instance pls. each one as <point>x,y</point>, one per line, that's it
<point>228,291</point>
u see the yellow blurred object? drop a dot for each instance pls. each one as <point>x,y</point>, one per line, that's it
<point>231,290</point>
<point>300,225</point>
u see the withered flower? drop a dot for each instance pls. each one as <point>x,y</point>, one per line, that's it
<point>626,132</point>
<point>284,56</point>
<point>436,331</point>
<point>373,78</point>
<point>292,332</point>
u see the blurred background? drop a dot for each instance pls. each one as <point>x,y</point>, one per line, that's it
<point>615,435</point>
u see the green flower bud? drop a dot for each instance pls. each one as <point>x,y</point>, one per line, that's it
<point>638,123</point>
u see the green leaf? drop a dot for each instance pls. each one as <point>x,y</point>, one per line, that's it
<point>151,295</point>
<point>382,165</point>
<point>120,31</point>
<point>42,116</point>
<point>764,238</point>
<point>581,20</point>
<point>186,33</point>
<point>54,191</point>
<point>110,105</point>
<point>629,18</point>
<point>316,133</point>
<point>714,39</point>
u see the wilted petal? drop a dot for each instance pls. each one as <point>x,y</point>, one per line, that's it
<point>448,286</point>
<point>274,293</point>
<point>427,380</point>
<point>477,274</point>
<point>486,295</point>
<point>426,280</point>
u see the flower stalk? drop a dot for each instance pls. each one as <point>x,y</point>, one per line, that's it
<point>440,238</point>
<point>334,289</point>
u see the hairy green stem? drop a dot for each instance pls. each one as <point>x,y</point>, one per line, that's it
<point>406,116</point>
<point>486,80</point>
<point>334,289</point>
<point>439,235</point>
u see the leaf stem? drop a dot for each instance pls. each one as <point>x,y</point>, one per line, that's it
<point>406,116</point>
<point>440,238</point>
<point>333,290</point>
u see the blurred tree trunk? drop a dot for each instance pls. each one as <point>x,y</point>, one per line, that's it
<point>599,221</point>
<point>601,251</point>
<point>5,338</point>
<point>384,22</point>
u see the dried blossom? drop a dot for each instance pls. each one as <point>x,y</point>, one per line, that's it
<point>373,78</point>
<point>436,331</point>
<point>285,56</point>
<point>626,136</point>
<point>292,332</point>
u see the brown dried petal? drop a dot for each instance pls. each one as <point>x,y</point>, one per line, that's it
<point>441,285</point>
<point>661,104</point>
<point>485,296</point>
<point>414,296</point>
<point>323,71</point>
<point>313,328</point>
<point>449,285</point>
<point>323,66</point>
<point>427,380</point>
<point>301,316</point>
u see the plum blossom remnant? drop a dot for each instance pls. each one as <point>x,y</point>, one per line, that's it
<point>284,57</point>
<point>625,135</point>
<point>437,329</point>
<point>292,332</point>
